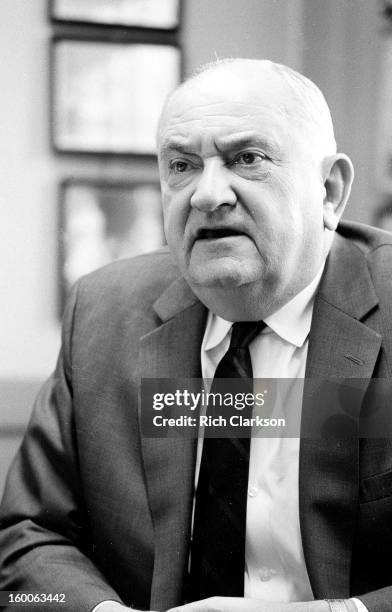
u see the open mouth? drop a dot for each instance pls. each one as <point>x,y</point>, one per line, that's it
<point>214,234</point>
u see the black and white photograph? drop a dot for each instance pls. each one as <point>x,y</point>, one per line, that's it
<point>196,323</point>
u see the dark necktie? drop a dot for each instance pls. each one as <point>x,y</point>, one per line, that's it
<point>218,543</point>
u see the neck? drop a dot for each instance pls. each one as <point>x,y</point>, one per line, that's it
<point>245,303</point>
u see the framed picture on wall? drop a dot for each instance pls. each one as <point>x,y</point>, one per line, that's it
<point>102,221</point>
<point>157,14</point>
<point>107,96</point>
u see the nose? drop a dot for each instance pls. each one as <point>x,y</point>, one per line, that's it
<point>213,188</point>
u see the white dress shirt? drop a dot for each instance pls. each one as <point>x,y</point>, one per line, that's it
<point>275,567</point>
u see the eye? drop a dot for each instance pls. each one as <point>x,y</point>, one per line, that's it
<point>178,166</point>
<point>248,158</point>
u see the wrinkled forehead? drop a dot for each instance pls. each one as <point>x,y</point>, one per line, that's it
<point>226,100</point>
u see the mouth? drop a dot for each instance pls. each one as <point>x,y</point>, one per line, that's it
<point>217,233</point>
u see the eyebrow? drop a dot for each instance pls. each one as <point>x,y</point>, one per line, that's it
<point>223,144</point>
<point>179,144</point>
<point>247,139</point>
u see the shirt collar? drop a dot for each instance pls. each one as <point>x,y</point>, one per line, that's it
<point>291,322</point>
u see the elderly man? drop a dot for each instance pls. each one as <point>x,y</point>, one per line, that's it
<point>256,284</point>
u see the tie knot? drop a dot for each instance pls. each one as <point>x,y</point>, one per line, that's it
<point>243,332</point>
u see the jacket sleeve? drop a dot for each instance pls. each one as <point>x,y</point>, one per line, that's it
<point>44,535</point>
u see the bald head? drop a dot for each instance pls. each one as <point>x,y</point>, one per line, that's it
<point>294,95</point>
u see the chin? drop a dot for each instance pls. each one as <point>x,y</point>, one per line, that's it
<point>218,275</point>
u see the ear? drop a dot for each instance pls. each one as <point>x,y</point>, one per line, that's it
<point>338,178</point>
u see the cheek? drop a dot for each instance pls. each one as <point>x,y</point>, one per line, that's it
<point>272,194</point>
<point>270,205</point>
<point>174,217</point>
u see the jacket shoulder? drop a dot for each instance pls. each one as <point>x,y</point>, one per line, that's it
<point>127,285</point>
<point>367,238</point>
<point>376,246</point>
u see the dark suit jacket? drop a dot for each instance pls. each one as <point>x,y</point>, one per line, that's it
<point>94,510</point>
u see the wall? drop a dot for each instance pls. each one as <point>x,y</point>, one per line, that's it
<point>334,42</point>
<point>27,211</point>
<point>250,28</point>
<point>342,52</point>
<point>29,332</point>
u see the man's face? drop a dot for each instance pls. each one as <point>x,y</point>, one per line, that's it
<point>242,187</point>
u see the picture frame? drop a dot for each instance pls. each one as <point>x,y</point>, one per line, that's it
<point>151,14</point>
<point>101,221</point>
<point>107,95</point>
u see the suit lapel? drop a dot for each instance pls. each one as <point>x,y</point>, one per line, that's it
<point>171,351</point>
<point>340,347</point>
